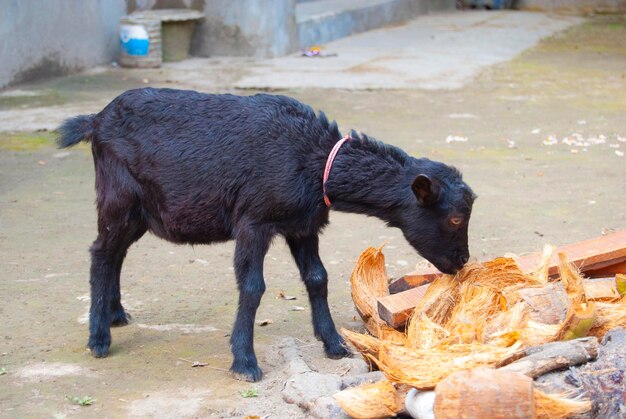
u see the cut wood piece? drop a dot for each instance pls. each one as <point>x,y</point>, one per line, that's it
<point>599,257</point>
<point>538,360</point>
<point>485,393</point>
<point>601,289</point>
<point>396,309</point>
<point>547,304</point>
<point>610,270</point>
<point>414,279</point>
<point>586,255</point>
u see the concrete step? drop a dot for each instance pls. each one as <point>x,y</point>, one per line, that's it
<point>323,21</point>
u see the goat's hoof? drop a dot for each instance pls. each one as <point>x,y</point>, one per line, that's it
<point>251,373</point>
<point>337,351</point>
<point>120,318</point>
<point>99,345</point>
<point>99,351</point>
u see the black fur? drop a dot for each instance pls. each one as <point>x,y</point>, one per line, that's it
<point>198,168</point>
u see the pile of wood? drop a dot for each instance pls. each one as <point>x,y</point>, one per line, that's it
<point>473,343</point>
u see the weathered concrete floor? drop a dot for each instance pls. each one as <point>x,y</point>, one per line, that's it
<point>183,299</point>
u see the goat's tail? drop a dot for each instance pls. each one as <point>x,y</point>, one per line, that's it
<point>75,130</point>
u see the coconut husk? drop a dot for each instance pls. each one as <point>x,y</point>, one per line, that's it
<point>548,304</point>
<point>369,282</point>
<point>440,297</point>
<point>578,324</point>
<point>424,368</point>
<point>424,333</point>
<point>476,305</point>
<point>504,329</point>
<point>608,316</point>
<point>475,319</point>
<point>375,400</point>
<point>535,333</point>
<point>572,281</point>
<point>469,307</point>
<point>541,272</point>
<point>484,393</point>
<point>391,335</point>
<point>504,273</point>
<point>499,394</point>
<point>364,343</point>
<point>554,406</point>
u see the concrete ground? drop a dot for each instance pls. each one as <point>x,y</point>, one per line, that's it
<point>540,136</point>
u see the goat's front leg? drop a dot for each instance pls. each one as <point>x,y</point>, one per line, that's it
<point>250,251</point>
<point>306,254</point>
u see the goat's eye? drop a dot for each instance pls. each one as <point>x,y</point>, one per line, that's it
<point>456,221</point>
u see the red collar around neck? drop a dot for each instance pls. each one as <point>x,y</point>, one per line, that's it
<point>329,165</point>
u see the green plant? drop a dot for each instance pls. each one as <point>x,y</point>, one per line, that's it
<point>253,392</point>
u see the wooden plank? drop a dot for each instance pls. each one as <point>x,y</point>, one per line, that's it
<point>414,279</point>
<point>595,255</point>
<point>618,268</point>
<point>396,309</point>
<point>600,257</point>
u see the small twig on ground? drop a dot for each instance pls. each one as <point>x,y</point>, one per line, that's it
<point>203,364</point>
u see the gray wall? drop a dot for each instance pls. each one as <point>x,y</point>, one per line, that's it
<point>43,38</point>
<point>246,27</point>
<point>437,5</point>
<point>573,6</point>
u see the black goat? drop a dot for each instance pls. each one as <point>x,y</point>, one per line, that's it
<point>199,168</point>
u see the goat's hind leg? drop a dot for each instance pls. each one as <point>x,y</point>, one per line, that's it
<point>119,316</point>
<point>107,256</point>
<point>119,225</point>
<point>250,251</point>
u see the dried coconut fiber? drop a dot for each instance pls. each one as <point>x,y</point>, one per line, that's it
<point>375,400</point>
<point>466,322</point>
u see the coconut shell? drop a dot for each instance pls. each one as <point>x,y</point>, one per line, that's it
<point>548,304</point>
<point>369,282</point>
<point>363,343</point>
<point>424,368</point>
<point>485,393</point>
<point>376,400</point>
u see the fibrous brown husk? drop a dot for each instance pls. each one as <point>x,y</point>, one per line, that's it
<point>571,279</point>
<point>424,333</point>
<point>484,393</point>
<point>553,406</point>
<point>608,316</point>
<point>548,304</point>
<point>476,319</point>
<point>369,282</point>
<point>424,368</point>
<point>498,394</point>
<point>441,295</point>
<point>364,343</point>
<point>376,400</point>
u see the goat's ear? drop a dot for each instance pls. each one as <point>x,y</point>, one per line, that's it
<point>426,191</point>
